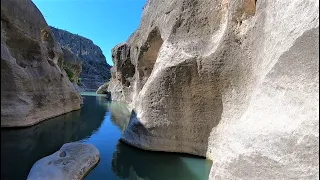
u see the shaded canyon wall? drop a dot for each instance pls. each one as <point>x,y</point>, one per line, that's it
<point>95,69</point>
<point>33,86</point>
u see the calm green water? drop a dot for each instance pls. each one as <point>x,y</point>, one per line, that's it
<point>92,94</point>
<point>95,124</point>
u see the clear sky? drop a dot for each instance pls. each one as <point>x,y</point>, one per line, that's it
<point>105,22</point>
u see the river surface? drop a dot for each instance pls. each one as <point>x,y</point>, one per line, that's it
<point>97,123</point>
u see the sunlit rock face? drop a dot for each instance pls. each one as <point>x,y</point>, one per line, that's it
<point>234,81</point>
<point>72,161</point>
<point>33,87</point>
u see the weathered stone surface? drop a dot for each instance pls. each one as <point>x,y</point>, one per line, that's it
<point>103,89</point>
<point>234,81</point>
<point>72,162</point>
<point>96,70</point>
<point>73,64</point>
<point>33,87</point>
<point>122,73</point>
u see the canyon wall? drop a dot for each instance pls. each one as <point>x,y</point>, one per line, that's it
<point>72,64</point>
<point>33,86</point>
<point>234,81</point>
<point>95,69</point>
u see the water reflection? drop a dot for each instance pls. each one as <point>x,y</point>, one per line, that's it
<point>21,148</point>
<point>136,164</point>
<point>133,164</point>
<point>120,114</point>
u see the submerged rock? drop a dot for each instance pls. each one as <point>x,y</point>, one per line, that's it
<point>34,87</point>
<point>234,81</point>
<point>72,162</point>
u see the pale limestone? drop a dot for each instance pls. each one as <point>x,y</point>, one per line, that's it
<point>33,86</point>
<point>72,162</point>
<point>234,81</point>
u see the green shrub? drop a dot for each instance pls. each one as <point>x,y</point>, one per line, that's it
<point>79,82</point>
<point>70,73</point>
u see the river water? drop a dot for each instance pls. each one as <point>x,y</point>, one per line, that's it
<point>97,123</point>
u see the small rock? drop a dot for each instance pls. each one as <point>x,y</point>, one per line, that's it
<point>103,89</point>
<point>63,154</point>
<point>72,162</point>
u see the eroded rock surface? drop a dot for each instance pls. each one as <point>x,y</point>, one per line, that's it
<point>72,64</point>
<point>103,89</point>
<point>33,86</point>
<point>72,162</point>
<point>234,81</point>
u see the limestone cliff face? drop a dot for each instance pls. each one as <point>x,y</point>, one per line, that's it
<point>95,69</point>
<point>33,87</point>
<point>235,81</point>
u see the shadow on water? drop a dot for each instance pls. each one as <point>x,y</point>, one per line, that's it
<point>133,164</point>
<point>21,148</point>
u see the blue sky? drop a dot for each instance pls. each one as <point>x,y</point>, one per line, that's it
<point>105,22</point>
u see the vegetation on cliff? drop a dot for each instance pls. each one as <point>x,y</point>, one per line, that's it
<point>95,70</point>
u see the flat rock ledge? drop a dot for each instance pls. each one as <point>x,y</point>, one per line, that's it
<point>72,162</point>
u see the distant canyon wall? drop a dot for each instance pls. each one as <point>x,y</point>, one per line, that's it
<point>234,81</point>
<point>95,69</point>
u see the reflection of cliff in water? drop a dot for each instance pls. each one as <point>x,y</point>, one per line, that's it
<point>21,148</point>
<point>135,164</point>
<point>120,114</point>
